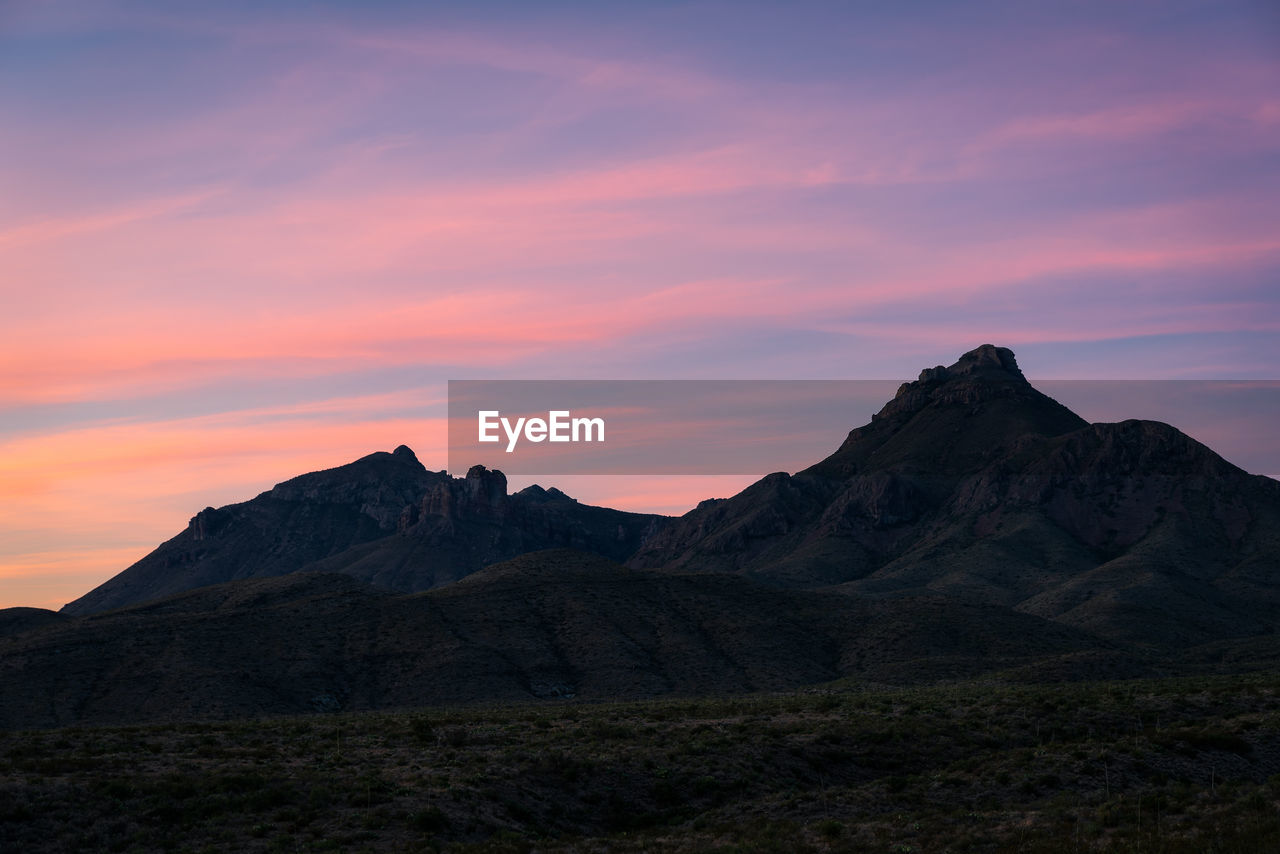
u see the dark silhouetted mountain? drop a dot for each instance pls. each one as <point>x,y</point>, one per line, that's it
<point>383,518</point>
<point>15,621</point>
<point>546,625</point>
<point>972,484</point>
<point>974,526</point>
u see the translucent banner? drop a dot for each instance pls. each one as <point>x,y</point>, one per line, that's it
<point>668,427</point>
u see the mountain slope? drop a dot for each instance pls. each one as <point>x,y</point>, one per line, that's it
<point>546,625</point>
<point>299,521</point>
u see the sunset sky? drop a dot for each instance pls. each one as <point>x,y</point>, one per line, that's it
<point>240,241</point>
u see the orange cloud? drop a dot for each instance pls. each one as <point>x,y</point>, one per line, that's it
<point>50,579</point>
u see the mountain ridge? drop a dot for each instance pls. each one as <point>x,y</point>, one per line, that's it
<point>384,518</point>
<point>974,526</point>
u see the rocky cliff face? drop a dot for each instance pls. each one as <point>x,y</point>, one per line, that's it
<point>378,486</point>
<point>460,525</point>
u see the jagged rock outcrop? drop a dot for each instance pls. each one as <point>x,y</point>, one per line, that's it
<point>463,524</point>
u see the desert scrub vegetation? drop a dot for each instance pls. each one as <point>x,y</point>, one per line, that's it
<point>1185,765</point>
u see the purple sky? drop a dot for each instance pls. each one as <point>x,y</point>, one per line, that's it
<point>239,244</point>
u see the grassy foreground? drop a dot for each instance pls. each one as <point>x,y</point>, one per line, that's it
<point>1188,765</point>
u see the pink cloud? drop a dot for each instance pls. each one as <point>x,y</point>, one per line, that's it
<point>1071,326</point>
<point>61,228</point>
<point>1123,121</point>
<point>102,349</point>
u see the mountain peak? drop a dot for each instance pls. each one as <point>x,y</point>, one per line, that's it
<point>979,374</point>
<point>987,360</point>
<point>988,357</point>
<point>406,452</point>
<point>953,418</point>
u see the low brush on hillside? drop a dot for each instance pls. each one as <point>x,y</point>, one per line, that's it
<point>1189,765</point>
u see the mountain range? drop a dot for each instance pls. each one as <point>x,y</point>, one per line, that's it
<point>973,526</point>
